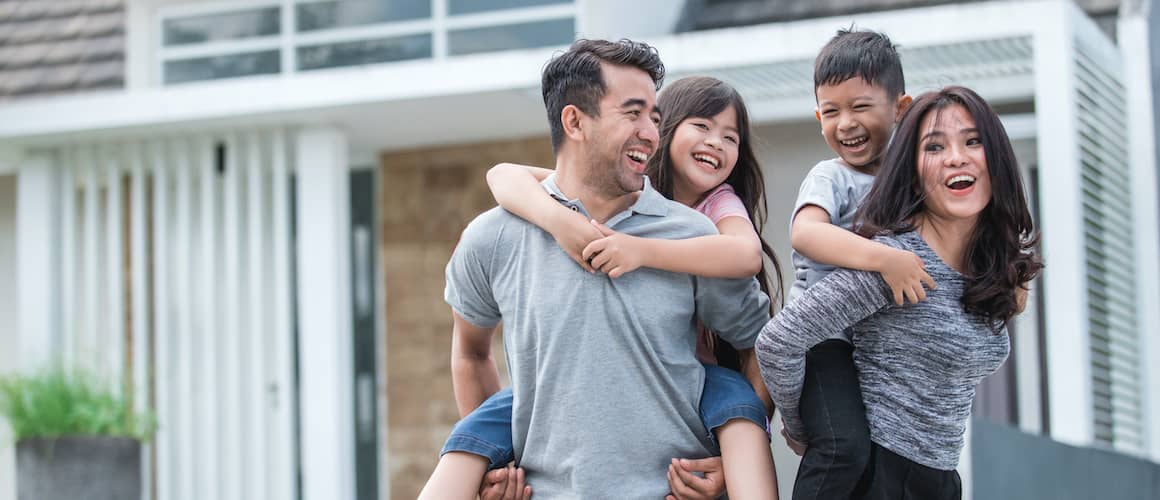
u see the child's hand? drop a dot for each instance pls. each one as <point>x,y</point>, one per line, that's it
<point>573,232</point>
<point>615,254</point>
<point>906,274</point>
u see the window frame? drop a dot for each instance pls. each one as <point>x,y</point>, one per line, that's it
<point>289,39</point>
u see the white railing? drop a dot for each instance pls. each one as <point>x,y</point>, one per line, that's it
<point>175,284</point>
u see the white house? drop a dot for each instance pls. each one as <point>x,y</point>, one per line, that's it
<point>246,211</point>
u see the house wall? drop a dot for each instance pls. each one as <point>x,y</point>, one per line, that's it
<point>426,198</point>
<point>9,343</point>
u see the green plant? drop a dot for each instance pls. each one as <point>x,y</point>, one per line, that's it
<point>54,404</point>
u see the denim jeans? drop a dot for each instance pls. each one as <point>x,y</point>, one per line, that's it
<point>487,431</point>
<point>838,436</point>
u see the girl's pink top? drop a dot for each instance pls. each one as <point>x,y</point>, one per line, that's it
<point>720,203</point>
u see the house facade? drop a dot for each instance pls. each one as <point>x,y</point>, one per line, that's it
<point>242,209</point>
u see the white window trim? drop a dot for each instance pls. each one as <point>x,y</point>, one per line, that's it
<point>439,25</point>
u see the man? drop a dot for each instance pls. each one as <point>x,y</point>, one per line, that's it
<point>605,382</point>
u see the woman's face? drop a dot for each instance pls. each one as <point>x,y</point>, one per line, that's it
<point>952,164</point>
<point>703,153</point>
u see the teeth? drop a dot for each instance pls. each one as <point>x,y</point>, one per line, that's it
<point>854,142</point>
<point>638,156</point>
<point>706,158</point>
<point>960,178</point>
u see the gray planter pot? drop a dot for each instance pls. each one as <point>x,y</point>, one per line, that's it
<point>78,468</point>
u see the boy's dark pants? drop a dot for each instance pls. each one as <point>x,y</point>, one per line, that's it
<point>835,419</point>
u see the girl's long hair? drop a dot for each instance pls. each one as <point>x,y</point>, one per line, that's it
<point>1000,252</point>
<point>705,97</point>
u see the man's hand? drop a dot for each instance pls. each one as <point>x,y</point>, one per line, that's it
<point>906,274</point>
<point>615,254</point>
<point>573,232</point>
<point>796,447</point>
<point>687,486</point>
<point>505,484</point>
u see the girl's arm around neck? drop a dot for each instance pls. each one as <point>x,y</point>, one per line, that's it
<point>517,189</point>
<point>736,253</point>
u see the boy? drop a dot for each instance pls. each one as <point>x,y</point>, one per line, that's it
<point>859,88</point>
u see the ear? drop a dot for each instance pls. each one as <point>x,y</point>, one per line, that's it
<point>818,115</point>
<point>903,103</point>
<point>572,119</point>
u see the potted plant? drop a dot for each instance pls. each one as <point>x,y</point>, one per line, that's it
<point>74,438</point>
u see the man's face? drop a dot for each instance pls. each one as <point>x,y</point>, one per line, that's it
<point>620,141</point>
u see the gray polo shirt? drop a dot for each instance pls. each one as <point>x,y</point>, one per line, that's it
<point>605,380</point>
<point>839,190</point>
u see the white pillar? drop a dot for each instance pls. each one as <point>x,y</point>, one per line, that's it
<point>1061,223</point>
<point>324,317</point>
<point>1134,47</point>
<point>37,235</point>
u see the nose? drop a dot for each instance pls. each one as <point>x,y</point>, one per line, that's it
<point>713,141</point>
<point>955,156</point>
<point>846,121</point>
<point>649,133</point>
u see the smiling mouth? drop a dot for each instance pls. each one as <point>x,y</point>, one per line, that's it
<point>707,160</point>
<point>855,142</point>
<point>960,182</point>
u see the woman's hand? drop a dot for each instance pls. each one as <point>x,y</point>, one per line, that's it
<point>687,486</point>
<point>616,253</point>
<point>794,445</point>
<point>573,232</point>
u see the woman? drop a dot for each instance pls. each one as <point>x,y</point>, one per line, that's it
<point>949,191</point>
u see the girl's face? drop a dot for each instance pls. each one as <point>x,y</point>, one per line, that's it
<point>952,164</point>
<point>703,153</point>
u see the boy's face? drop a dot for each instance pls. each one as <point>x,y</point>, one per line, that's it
<point>857,119</point>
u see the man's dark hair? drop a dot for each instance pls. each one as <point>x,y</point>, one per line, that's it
<point>574,77</point>
<point>854,53</point>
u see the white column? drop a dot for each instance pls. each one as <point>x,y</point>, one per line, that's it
<point>324,318</point>
<point>37,241</point>
<point>1061,209</point>
<point>1133,38</point>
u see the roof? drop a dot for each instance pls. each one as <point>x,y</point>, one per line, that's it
<point>714,14</point>
<point>58,46</point>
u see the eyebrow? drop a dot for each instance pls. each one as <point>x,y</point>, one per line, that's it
<point>936,133</point>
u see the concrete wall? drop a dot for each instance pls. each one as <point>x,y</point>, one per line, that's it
<point>9,322</point>
<point>1011,464</point>
<point>426,198</point>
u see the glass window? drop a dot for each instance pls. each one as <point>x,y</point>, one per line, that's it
<point>472,6</point>
<point>364,52</point>
<point>228,26</point>
<point>334,14</point>
<point>511,36</point>
<point>234,65</point>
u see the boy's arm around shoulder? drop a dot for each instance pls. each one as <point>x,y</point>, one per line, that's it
<point>813,235</point>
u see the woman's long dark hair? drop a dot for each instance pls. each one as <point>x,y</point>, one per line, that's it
<point>999,254</point>
<point>705,97</point>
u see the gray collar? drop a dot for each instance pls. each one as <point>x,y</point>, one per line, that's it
<point>650,202</point>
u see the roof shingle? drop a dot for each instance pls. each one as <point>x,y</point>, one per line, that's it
<point>58,46</point>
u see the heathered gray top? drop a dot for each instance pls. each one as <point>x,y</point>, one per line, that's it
<point>605,381</point>
<point>918,364</point>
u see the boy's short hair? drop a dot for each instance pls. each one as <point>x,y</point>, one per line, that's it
<point>575,77</point>
<point>857,53</point>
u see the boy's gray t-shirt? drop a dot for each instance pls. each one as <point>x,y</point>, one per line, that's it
<point>839,190</point>
<point>605,381</point>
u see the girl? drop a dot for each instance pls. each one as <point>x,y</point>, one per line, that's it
<point>704,160</point>
<point>949,191</point>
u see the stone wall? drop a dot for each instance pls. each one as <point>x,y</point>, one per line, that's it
<point>425,199</point>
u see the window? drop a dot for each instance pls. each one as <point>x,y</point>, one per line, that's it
<point>263,37</point>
